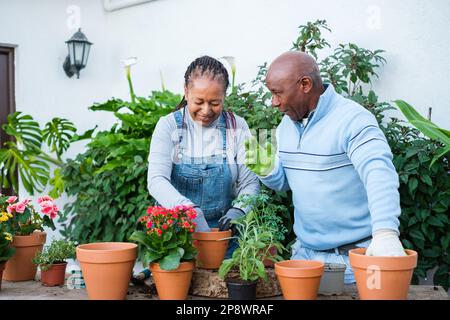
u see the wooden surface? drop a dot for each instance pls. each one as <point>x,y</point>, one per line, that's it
<point>34,290</point>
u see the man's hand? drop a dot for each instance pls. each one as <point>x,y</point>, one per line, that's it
<point>200,220</point>
<point>260,160</point>
<point>385,243</point>
<point>225,221</point>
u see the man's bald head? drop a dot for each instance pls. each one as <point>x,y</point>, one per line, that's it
<point>295,83</point>
<point>294,64</point>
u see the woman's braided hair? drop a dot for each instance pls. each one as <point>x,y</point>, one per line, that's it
<point>201,66</point>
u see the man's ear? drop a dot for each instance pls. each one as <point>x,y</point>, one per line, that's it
<point>306,84</point>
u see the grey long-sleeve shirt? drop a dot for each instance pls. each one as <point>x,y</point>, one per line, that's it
<point>201,141</point>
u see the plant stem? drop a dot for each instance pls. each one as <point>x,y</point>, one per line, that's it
<point>44,156</point>
<point>130,84</point>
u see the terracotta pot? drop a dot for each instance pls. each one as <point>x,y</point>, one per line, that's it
<point>173,284</point>
<point>20,266</point>
<point>271,253</point>
<point>106,268</point>
<point>54,276</point>
<point>211,249</point>
<point>382,278</point>
<point>2,267</point>
<point>299,279</point>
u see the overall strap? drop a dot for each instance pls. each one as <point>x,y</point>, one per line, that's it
<point>179,120</point>
<point>230,121</point>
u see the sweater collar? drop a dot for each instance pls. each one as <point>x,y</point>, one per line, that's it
<point>323,105</point>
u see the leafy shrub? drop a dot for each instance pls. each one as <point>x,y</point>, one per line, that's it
<point>58,252</point>
<point>109,179</point>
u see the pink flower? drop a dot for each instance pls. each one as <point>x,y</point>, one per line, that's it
<point>12,208</point>
<point>26,201</point>
<point>45,198</point>
<point>49,208</point>
<point>20,207</point>
<point>11,199</point>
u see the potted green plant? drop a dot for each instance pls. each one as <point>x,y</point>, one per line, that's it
<point>52,262</point>
<point>169,248</point>
<point>266,215</point>
<point>6,251</point>
<point>26,225</point>
<point>244,269</point>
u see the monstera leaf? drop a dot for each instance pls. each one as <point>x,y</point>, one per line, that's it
<point>25,130</point>
<point>33,171</point>
<point>58,135</point>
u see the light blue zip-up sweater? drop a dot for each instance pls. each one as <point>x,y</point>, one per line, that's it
<point>339,168</point>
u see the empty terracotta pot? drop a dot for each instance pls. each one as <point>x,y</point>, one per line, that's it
<point>382,278</point>
<point>2,267</point>
<point>20,266</point>
<point>299,279</point>
<point>211,248</point>
<point>173,284</point>
<point>106,268</point>
<point>54,276</point>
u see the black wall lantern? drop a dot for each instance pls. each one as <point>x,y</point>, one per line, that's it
<point>79,47</point>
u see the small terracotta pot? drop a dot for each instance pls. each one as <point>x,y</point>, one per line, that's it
<point>54,276</point>
<point>2,267</point>
<point>382,278</point>
<point>106,268</point>
<point>211,249</point>
<point>271,253</point>
<point>173,284</point>
<point>299,279</point>
<point>20,266</point>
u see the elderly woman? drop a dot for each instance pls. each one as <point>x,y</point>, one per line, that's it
<point>197,153</point>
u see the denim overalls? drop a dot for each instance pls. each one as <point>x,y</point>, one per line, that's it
<point>206,181</point>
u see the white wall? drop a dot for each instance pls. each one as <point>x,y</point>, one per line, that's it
<point>166,35</point>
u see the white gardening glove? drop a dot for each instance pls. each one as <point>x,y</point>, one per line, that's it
<point>385,243</point>
<point>200,220</point>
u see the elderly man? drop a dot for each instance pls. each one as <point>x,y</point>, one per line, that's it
<point>333,156</point>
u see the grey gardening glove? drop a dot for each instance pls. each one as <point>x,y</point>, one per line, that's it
<point>225,221</point>
<point>200,220</point>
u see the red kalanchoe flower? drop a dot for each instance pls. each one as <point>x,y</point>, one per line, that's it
<point>158,231</point>
<point>164,226</point>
